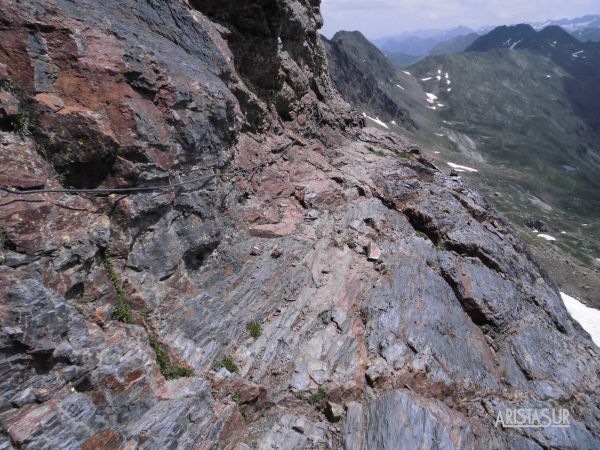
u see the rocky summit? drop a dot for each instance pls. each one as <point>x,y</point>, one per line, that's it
<point>229,259</point>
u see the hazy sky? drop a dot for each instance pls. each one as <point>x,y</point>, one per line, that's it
<point>377,18</point>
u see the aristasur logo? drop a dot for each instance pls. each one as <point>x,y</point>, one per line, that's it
<point>534,418</point>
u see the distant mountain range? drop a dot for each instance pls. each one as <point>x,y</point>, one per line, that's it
<point>407,48</point>
<point>571,25</point>
<point>518,112</point>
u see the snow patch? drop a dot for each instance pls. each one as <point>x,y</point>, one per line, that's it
<point>426,79</point>
<point>407,73</point>
<point>394,122</point>
<point>449,89</point>
<point>548,76</point>
<point>439,134</point>
<point>515,44</point>
<point>547,237</point>
<point>432,107</point>
<point>377,121</point>
<point>400,87</point>
<point>588,318</point>
<point>431,97</point>
<point>576,54</point>
<point>440,105</point>
<point>460,168</point>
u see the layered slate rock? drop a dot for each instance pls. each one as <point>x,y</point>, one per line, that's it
<point>394,303</point>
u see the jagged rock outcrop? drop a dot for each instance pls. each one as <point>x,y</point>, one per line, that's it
<point>379,289</point>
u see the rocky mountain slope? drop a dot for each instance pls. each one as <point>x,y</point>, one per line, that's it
<point>314,284</point>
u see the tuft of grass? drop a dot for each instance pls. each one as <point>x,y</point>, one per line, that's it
<point>168,370</point>
<point>228,363</point>
<point>317,396</point>
<point>122,311</point>
<point>376,152</point>
<point>351,244</point>
<point>441,247</point>
<point>21,123</point>
<point>237,399</point>
<point>300,395</point>
<point>254,328</point>
<point>406,155</point>
<point>422,235</point>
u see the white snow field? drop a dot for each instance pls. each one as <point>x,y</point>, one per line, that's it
<point>376,120</point>
<point>460,168</point>
<point>588,318</point>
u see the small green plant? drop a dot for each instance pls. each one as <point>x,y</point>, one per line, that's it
<point>168,370</point>
<point>422,235</point>
<point>317,396</point>
<point>441,246</point>
<point>300,395</point>
<point>60,177</point>
<point>350,243</point>
<point>122,311</point>
<point>244,199</point>
<point>21,123</point>
<point>254,328</point>
<point>406,155</point>
<point>376,152</point>
<point>228,363</point>
<point>237,399</point>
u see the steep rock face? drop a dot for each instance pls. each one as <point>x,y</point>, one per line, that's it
<point>356,68</point>
<point>391,297</point>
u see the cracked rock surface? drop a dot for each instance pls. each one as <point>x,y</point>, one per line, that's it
<point>395,305</point>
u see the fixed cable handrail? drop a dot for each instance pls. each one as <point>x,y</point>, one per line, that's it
<point>169,186</point>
